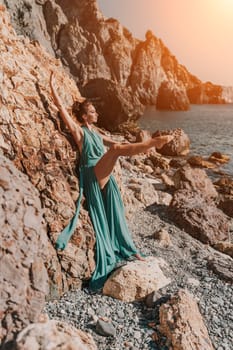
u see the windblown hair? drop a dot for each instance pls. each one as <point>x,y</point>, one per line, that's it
<point>78,109</point>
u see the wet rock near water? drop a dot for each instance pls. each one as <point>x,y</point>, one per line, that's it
<point>219,158</point>
<point>178,146</point>
<point>198,161</point>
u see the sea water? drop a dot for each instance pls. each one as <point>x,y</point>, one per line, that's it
<point>209,127</point>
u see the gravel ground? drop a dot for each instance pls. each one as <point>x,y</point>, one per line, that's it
<point>187,268</point>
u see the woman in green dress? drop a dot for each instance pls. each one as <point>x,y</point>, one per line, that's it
<point>104,203</point>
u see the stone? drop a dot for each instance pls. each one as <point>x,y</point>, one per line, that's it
<point>193,281</point>
<point>54,335</point>
<point>199,216</point>
<point>163,237</point>
<point>222,266</point>
<point>194,180</point>
<point>136,280</point>
<point>219,158</point>
<point>182,323</point>
<point>198,161</point>
<point>144,192</point>
<point>158,161</point>
<point>224,185</point>
<point>105,328</point>
<point>177,162</point>
<point>24,244</point>
<point>178,146</point>
<point>224,247</point>
<point>226,204</point>
<point>154,299</point>
<point>167,181</point>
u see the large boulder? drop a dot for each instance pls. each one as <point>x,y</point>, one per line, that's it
<point>194,180</point>
<point>182,323</point>
<point>53,335</point>
<point>193,206</point>
<point>136,280</point>
<point>179,146</point>
<point>24,251</point>
<point>198,161</point>
<point>199,217</point>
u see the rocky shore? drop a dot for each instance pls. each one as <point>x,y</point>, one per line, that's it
<point>136,324</point>
<point>178,298</point>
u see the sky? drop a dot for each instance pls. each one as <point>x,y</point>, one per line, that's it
<point>198,32</point>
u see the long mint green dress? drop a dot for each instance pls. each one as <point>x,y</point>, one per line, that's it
<point>106,209</point>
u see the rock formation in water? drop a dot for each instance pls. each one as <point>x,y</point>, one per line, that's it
<point>120,73</point>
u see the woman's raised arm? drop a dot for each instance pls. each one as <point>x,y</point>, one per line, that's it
<point>74,128</point>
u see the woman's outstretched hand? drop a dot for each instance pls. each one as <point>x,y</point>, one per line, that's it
<point>163,140</point>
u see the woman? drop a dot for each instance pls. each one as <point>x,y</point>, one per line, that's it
<point>113,240</point>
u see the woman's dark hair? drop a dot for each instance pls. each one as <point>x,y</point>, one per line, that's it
<point>78,109</point>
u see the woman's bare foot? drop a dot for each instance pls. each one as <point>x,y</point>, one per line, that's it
<point>160,141</point>
<point>139,257</point>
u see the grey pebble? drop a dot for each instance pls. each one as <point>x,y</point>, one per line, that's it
<point>105,328</point>
<point>121,314</point>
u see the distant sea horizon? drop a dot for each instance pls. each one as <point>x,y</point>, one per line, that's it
<point>209,127</point>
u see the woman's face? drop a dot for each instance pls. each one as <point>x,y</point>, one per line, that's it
<point>91,116</point>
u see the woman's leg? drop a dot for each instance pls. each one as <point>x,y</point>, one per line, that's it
<point>105,165</point>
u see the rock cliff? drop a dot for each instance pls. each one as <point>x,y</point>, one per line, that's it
<point>24,250</point>
<point>33,139</point>
<point>122,74</point>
